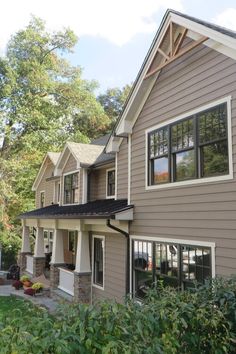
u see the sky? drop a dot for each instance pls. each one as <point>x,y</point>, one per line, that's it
<point>114,35</point>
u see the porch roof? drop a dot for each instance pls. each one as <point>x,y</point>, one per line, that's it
<point>98,209</point>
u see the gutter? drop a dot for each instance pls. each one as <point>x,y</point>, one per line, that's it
<point>126,234</point>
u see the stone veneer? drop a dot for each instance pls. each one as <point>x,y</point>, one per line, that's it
<point>54,275</point>
<point>82,287</point>
<point>38,266</point>
<point>22,260</point>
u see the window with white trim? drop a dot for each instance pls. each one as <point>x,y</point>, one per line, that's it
<point>71,188</point>
<point>191,148</point>
<point>98,261</point>
<point>111,182</point>
<point>176,265</point>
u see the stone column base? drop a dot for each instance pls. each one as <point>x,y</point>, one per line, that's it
<point>22,260</point>
<point>54,274</point>
<point>82,287</point>
<point>38,266</point>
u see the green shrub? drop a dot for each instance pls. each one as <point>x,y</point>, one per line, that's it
<point>202,320</point>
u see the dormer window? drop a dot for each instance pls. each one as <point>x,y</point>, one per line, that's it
<point>111,183</point>
<point>71,188</point>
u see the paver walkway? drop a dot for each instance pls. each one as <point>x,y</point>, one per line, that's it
<point>44,301</point>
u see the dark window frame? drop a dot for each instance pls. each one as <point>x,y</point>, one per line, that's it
<point>111,185</point>
<point>98,261</point>
<point>42,199</point>
<point>155,268</point>
<point>197,146</point>
<point>72,186</point>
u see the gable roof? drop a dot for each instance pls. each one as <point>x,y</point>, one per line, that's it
<point>102,209</point>
<point>213,36</point>
<point>53,157</point>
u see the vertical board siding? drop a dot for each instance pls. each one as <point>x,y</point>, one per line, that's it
<point>115,269</point>
<point>122,171</point>
<point>204,212</point>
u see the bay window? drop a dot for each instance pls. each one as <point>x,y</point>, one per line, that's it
<point>192,148</point>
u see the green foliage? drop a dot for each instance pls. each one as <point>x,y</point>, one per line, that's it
<point>10,243</point>
<point>113,101</point>
<point>43,103</point>
<point>201,321</point>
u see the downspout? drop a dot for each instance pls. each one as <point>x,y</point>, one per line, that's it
<point>126,234</point>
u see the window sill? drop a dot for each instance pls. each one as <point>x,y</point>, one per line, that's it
<point>98,287</point>
<point>191,182</point>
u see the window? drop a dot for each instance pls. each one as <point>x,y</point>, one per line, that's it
<point>57,192</point>
<point>98,261</point>
<point>42,199</point>
<point>111,183</point>
<point>71,188</point>
<point>176,265</point>
<point>192,148</point>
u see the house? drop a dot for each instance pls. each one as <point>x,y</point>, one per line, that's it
<point>171,215</point>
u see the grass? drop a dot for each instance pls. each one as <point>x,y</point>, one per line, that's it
<point>10,303</point>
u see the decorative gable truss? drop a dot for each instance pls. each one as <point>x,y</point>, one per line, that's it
<point>170,47</point>
<point>177,35</point>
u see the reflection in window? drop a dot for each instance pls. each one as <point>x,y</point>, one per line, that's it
<point>160,170</point>
<point>185,165</point>
<point>71,188</point>
<point>194,147</point>
<point>98,261</point>
<point>174,265</point>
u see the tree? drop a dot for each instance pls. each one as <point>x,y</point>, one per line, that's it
<point>113,101</point>
<point>43,102</point>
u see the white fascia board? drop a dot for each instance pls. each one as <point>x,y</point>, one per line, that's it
<point>113,145</point>
<point>144,71</point>
<point>204,30</point>
<point>40,174</point>
<point>125,215</point>
<point>58,169</point>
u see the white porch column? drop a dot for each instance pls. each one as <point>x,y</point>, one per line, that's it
<point>58,248</point>
<point>25,245</point>
<point>82,253</point>
<point>39,243</point>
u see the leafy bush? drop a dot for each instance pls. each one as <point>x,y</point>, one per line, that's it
<point>37,286</point>
<point>24,278</point>
<point>202,320</point>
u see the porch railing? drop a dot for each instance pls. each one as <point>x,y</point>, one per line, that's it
<point>29,264</point>
<point>66,281</point>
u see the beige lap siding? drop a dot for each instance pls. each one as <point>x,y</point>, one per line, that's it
<point>122,171</point>
<point>98,182</point>
<point>71,165</point>
<point>115,272</point>
<point>204,212</point>
<point>46,186</point>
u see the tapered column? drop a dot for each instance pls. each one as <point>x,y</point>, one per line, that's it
<point>58,248</point>
<point>39,243</point>
<point>82,253</point>
<point>82,273</point>
<point>25,246</point>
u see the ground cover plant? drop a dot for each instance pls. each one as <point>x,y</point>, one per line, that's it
<point>168,321</point>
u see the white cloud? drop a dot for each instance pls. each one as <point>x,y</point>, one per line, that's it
<point>115,20</point>
<point>227,18</point>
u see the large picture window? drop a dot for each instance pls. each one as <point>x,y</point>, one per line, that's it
<point>176,265</point>
<point>192,148</point>
<point>98,261</point>
<point>71,188</point>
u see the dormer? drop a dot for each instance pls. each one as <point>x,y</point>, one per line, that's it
<point>45,181</point>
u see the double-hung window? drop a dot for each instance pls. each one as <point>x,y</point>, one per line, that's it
<point>42,199</point>
<point>71,188</point>
<point>195,147</point>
